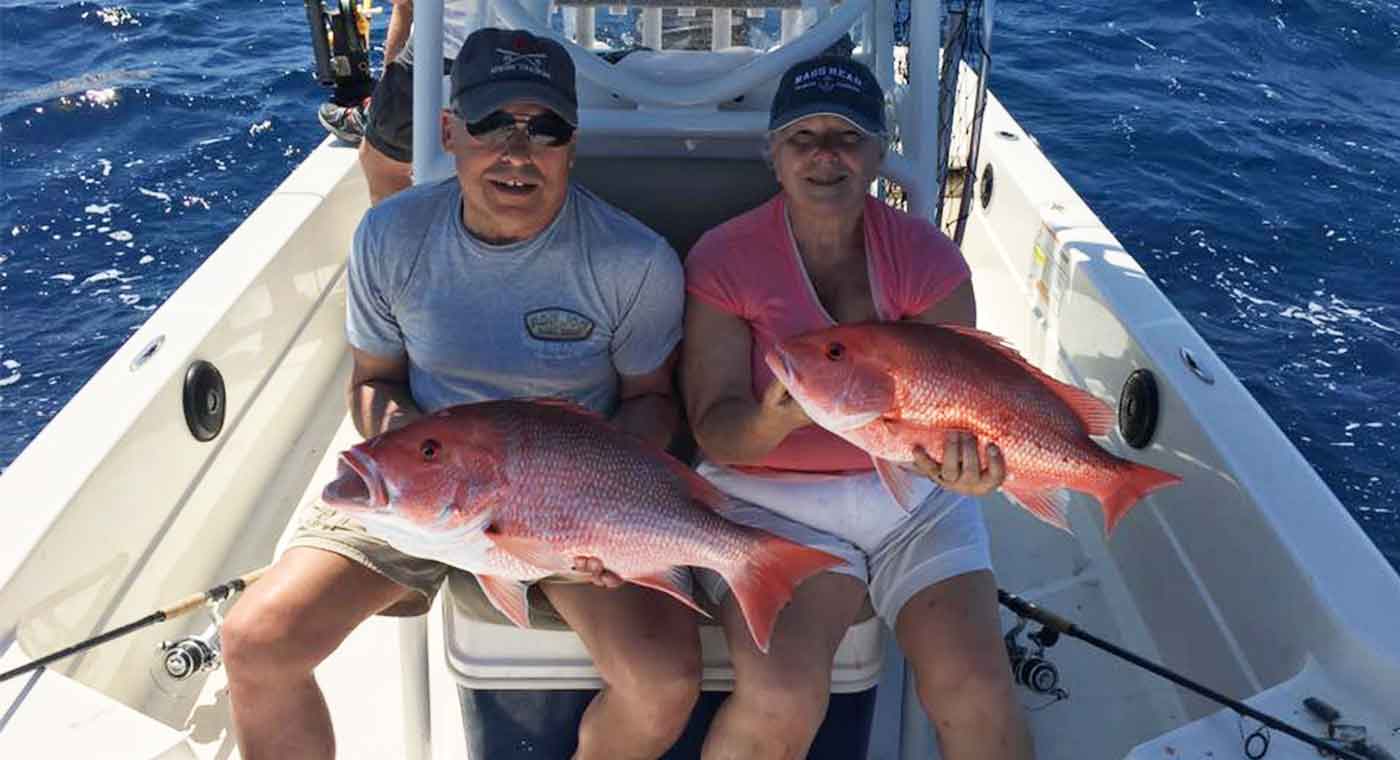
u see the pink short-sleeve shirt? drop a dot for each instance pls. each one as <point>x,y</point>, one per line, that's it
<point>749,267</point>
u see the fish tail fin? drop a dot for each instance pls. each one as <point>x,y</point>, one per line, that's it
<point>1127,487</point>
<point>764,583</point>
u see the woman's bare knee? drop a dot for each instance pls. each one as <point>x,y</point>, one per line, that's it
<point>795,700</point>
<point>960,689</point>
<point>791,719</point>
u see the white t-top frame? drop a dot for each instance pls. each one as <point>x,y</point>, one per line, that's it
<point>692,110</point>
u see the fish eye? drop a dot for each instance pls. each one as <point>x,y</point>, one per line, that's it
<point>429,449</point>
<point>835,351</point>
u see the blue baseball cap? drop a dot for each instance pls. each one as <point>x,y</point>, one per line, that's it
<point>498,66</point>
<point>829,85</point>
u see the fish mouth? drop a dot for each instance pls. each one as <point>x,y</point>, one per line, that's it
<point>357,485</point>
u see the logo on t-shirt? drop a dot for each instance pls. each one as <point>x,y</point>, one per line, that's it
<point>558,324</point>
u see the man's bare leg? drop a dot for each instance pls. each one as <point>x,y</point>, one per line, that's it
<point>951,635</point>
<point>780,698</point>
<point>647,649</point>
<point>277,632</point>
<point>384,175</point>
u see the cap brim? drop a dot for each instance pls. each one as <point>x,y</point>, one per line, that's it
<point>826,109</point>
<point>480,102</point>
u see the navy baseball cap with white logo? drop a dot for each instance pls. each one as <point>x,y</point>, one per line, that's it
<point>498,66</point>
<point>829,85</point>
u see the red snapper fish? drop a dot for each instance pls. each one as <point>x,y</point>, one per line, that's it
<point>887,387</point>
<point>513,491</point>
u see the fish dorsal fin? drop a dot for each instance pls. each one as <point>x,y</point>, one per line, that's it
<point>1096,416</point>
<point>583,411</point>
<point>702,492</point>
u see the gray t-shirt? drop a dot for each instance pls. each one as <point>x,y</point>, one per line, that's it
<point>564,314</point>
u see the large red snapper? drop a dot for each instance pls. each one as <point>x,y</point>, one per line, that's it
<point>512,491</point>
<point>887,387</point>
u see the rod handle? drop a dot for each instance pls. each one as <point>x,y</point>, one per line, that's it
<point>1323,711</point>
<point>218,593</point>
<point>1033,612</point>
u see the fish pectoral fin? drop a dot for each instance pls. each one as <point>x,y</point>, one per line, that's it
<point>898,481</point>
<point>508,596</point>
<point>1050,505</point>
<point>532,550</point>
<point>674,583</point>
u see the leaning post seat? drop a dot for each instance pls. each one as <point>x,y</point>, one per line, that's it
<point>524,691</point>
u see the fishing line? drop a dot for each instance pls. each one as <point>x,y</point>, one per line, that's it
<point>1059,695</point>
<point>1256,743</point>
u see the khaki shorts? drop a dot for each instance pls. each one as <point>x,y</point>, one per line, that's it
<point>336,532</point>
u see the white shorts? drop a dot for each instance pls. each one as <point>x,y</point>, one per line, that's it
<point>897,553</point>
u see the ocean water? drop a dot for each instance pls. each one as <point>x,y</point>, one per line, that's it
<point>1244,152</point>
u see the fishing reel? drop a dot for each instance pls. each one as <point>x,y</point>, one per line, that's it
<point>188,656</point>
<point>177,662</point>
<point>1344,736</point>
<point>1029,666</point>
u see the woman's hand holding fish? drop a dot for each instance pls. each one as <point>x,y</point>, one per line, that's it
<point>781,410</point>
<point>597,574</point>
<point>961,469</point>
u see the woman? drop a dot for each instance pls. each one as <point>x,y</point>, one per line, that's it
<point>820,252</point>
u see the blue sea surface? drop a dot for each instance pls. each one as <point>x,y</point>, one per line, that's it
<point>1244,152</point>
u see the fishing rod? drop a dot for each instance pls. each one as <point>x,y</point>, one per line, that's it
<point>169,612</point>
<point>1057,625</point>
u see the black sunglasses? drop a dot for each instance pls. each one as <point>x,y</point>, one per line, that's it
<point>547,130</point>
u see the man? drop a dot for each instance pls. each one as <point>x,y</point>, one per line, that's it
<point>505,281</point>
